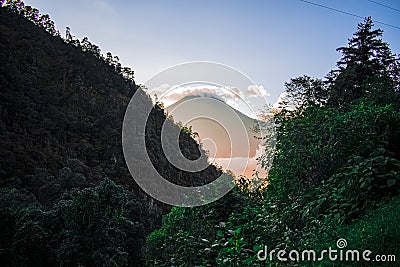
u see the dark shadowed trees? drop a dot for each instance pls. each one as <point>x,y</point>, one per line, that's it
<point>364,58</point>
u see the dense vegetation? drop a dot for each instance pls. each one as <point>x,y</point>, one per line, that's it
<point>67,197</point>
<point>336,173</point>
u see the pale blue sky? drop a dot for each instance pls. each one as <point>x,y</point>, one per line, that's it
<point>270,41</point>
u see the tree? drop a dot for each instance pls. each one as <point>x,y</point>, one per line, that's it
<point>366,56</point>
<point>304,91</point>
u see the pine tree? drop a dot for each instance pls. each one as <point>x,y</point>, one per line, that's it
<point>365,57</point>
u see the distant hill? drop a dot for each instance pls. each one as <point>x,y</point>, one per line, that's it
<point>196,106</point>
<point>225,132</point>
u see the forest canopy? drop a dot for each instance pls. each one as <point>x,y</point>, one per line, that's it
<point>67,197</point>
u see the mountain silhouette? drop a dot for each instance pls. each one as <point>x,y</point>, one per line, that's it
<point>229,136</point>
<point>207,117</point>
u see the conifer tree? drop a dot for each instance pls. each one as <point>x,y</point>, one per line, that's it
<point>366,56</point>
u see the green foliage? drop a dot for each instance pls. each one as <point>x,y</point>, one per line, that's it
<point>11,203</point>
<point>303,92</point>
<point>312,147</point>
<point>98,226</point>
<point>35,237</point>
<point>233,250</point>
<point>365,57</point>
<point>356,186</point>
<point>188,236</point>
<point>246,232</point>
<point>377,230</point>
<point>95,227</point>
<point>179,242</point>
<point>335,173</point>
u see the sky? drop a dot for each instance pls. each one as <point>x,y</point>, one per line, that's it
<point>269,41</point>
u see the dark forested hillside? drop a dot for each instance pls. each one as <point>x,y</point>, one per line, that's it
<point>66,194</point>
<point>58,103</point>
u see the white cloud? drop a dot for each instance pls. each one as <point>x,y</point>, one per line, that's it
<point>245,100</point>
<point>209,95</point>
<point>256,91</point>
<point>171,94</point>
